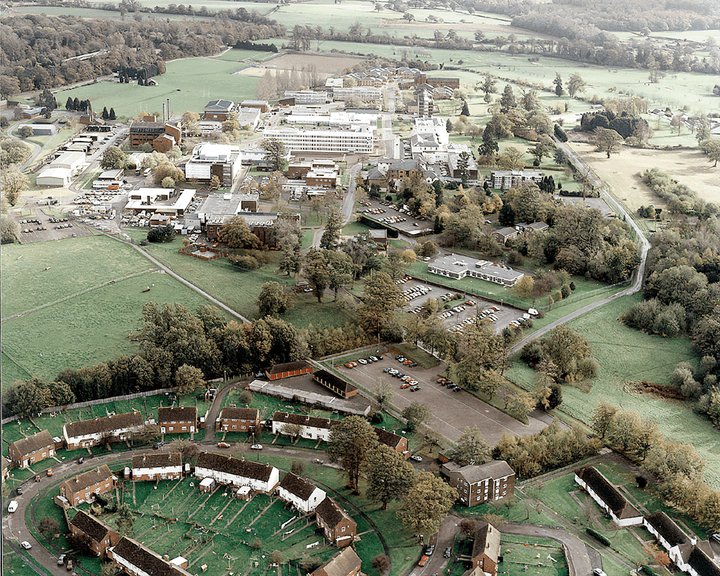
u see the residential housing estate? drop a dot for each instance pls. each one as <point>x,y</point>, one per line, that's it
<point>337,525</point>
<point>84,487</point>
<point>137,560</point>
<point>487,482</point>
<point>157,466</point>
<point>227,470</point>
<point>101,537</point>
<point>177,420</point>
<point>27,451</point>
<point>299,492</point>
<point>88,433</point>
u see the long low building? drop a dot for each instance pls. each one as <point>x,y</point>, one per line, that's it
<point>358,140</point>
<point>310,427</point>
<point>227,470</point>
<point>457,267</point>
<point>137,560</point>
<point>160,201</point>
<point>157,466</point>
<point>87,433</point>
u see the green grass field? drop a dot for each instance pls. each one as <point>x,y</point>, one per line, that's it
<point>626,355</point>
<point>189,84</point>
<point>77,301</point>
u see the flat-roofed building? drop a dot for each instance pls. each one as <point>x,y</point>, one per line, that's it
<point>210,159</point>
<point>505,179</point>
<point>262,105</point>
<point>157,466</point>
<point>167,201</point>
<point>457,267</point>
<point>54,177</point>
<point>40,129</point>
<point>249,117</point>
<point>303,97</point>
<point>219,110</point>
<point>358,140</point>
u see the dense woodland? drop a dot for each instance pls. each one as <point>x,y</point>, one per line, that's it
<point>36,48</point>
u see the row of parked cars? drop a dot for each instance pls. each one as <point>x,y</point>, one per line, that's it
<point>449,383</point>
<point>415,292</point>
<point>368,360</point>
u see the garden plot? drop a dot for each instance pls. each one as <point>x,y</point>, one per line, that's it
<point>537,556</point>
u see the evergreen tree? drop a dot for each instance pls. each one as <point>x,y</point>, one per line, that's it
<point>105,114</point>
<point>69,105</point>
<point>507,100</point>
<point>465,109</point>
<point>76,104</point>
<point>112,114</point>
<point>558,85</point>
<point>448,126</point>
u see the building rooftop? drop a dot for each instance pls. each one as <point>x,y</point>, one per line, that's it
<point>487,541</point>
<point>297,485</point>
<point>157,460</point>
<point>146,560</point>
<point>335,381</point>
<point>230,413</point>
<point>289,367</point>
<point>302,420</point>
<point>666,528</point>
<point>219,106</point>
<point>90,526</point>
<point>177,414</point>
<point>89,478</point>
<point>331,513</point>
<point>607,492</point>
<point>230,465</point>
<point>341,564</point>
<point>106,424</point>
<point>35,442</point>
<point>477,473</point>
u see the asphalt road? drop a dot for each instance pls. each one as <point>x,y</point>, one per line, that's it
<point>638,275</point>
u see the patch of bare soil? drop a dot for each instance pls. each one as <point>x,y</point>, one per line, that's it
<point>655,389</point>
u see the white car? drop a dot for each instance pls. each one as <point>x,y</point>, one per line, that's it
<point>25,544</point>
<point>256,447</point>
<point>12,506</point>
<point>362,360</point>
<point>416,458</point>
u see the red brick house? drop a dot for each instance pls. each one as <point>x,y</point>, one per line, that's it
<point>344,563</point>
<point>238,419</point>
<point>287,370</point>
<point>396,442</point>
<point>179,420</point>
<point>157,466</point>
<point>101,536</point>
<point>83,487</point>
<point>32,449</point>
<point>488,482</point>
<point>337,525</point>
<point>335,384</point>
<point>486,548</point>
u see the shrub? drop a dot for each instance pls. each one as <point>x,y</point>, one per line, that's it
<point>599,537</point>
<point>244,262</point>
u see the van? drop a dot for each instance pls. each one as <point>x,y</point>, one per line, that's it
<point>147,172</point>
<point>12,506</point>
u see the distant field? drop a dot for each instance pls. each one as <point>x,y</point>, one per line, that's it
<point>622,172</point>
<point>188,83</point>
<point>626,355</point>
<point>86,320</point>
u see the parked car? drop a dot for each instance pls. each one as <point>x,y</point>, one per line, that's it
<point>256,447</point>
<point>12,506</point>
<point>19,491</point>
<point>70,564</point>
<point>25,544</point>
<point>223,445</point>
<point>429,550</point>
<point>50,472</point>
<point>362,360</point>
<point>61,559</point>
<point>405,385</point>
<point>416,458</point>
<point>424,560</point>
<point>448,552</point>
<point>158,445</point>
<point>414,388</point>
<point>348,365</point>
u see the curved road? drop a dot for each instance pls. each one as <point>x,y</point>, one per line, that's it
<point>639,273</point>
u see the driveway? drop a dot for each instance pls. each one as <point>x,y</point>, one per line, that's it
<point>451,411</point>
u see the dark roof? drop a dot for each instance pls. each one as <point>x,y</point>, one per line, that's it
<point>89,478</point>
<point>333,380</point>
<point>389,438</point>
<point>239,413</point>
<point>289,367</point>
<point>302,420</point>
<point>487,541</point>
<point>297,485</point>
<point>35,442</point>
<point>147,128</point>
<point>156,460</point>
<point>142,558</point>
<point>702,564</point>
<point>331,513</point>
<point>230,465</point>
<point>93,528</point>
<point>667,528</point>
<point>106,424</point>
<point>481,530</point>
<point>341,564</point>
<point>494,469</point>
<point>607,492</point>
<point>219,106</point>
<point>178,414</point>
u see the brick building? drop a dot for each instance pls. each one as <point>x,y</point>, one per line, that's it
<point>488,482</point>
<point>335,384</point>
<point>32,449</point>
<point>157,466</point>
<point>486,548</point>
<point>337,525</point>
<point>288,370</point>
<point>101,536</point>
<point>178,420</point>
<point>344,563</point>
<point>395,441</point>
<point>83,487</point>
<point>137,560</point>
<point>238,419</point>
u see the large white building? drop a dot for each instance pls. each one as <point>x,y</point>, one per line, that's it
<point>60,171</point>
<point>457,267</point>
<point>358,140</point>
<point>210,159</point>
<point>160,201</point>
<point>227,470</point>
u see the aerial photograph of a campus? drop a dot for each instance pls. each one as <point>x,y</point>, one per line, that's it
<point>360,287</point>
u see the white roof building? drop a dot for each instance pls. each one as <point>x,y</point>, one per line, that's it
<point>51,176</point>
<point>160,200</point>
<point>210,159</point>
<point>457,267</point>
<point>71,160</point>
<point>358,140</point>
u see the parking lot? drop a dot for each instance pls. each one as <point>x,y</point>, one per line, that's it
<point>387,214</point>
<point>461,311</point>
<point>40,227</point>
<point>451,411</point>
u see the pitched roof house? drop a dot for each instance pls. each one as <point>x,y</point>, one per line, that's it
<point>101,536</point>
<point>32,449</point>
<point>310,426</point>
<point>86,433</point>
<point>302,494</point>
<point>336,523</point>
<point>238,419</point>
<point>228,470</point>
<point>395,441</point>
<point>178,420</point>
<point>608,497</point>
<point>344,563</point>
<point>83,487</point>
<point>137,560</point>
<point>157,466</point>
<point>486,548</point>
<point>487,482</point>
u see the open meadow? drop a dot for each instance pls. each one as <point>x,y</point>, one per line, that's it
<point>73,303</point>
<point>623,171</point>
<point>625,355</point>
<point>189,83</point>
